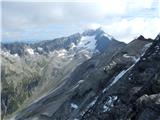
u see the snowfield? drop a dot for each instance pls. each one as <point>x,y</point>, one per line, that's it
<point>88,42</point>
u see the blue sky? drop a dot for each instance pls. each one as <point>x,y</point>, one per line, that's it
<point>35,20</point>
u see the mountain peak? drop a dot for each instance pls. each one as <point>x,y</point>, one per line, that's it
<point>141,37</point>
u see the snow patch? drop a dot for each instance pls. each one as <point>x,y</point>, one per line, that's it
<point>128,56</point>
<point>123,72</point>
<point>88,42</point>
<point>93,102</point>
<point>111,100</point>
<point>77,85</point>
<point>81,81</point>
<point>72,46</point>
<point>30,51</point>
<point>108,36</point>
<point>118,77</point>
<point>8,54</point>
<point>40,49</point>
<point>147,45</point>
<point>105,108</point>
<point>145,48</point>
<point>87,56</point>
<point>5,53</point>
<point>109,103</point>
<point>61,52</point>
<point>15,55</point>
<point>104,90</point>
<point>74,106</point>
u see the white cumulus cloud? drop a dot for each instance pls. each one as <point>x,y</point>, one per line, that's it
<point>21,19</point>
<point>126,30</point>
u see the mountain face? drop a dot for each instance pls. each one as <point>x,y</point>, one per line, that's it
<point>134,93</point>
<point>31,71</point>
<point>87,76</point>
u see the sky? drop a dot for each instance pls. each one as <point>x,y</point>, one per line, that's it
<point>35,20</point>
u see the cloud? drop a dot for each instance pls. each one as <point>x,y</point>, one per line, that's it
<point>31,14</point>
<point>126,30</point>
<point>20,14</point>
<point>140,4</point>
<point>91,26</point>
<point>20,19</point>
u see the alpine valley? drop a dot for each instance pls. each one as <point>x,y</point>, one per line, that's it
<point>85,76</point>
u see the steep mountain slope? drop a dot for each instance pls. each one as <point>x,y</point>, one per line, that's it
<point>80,90</point>
<point>134,93</point>
<point>32,71</point>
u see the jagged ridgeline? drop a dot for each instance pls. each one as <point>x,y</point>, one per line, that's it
<point>89,76</point>
<point>31,70</point>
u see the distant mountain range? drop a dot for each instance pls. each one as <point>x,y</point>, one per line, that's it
<point>92,40</point>
<point>87,76</point>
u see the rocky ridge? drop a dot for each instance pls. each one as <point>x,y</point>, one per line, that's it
<point>83,94</point>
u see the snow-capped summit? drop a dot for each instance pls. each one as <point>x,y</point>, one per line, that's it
<point>90,40</point>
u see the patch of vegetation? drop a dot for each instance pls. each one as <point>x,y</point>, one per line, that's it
<point>14,93</point>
